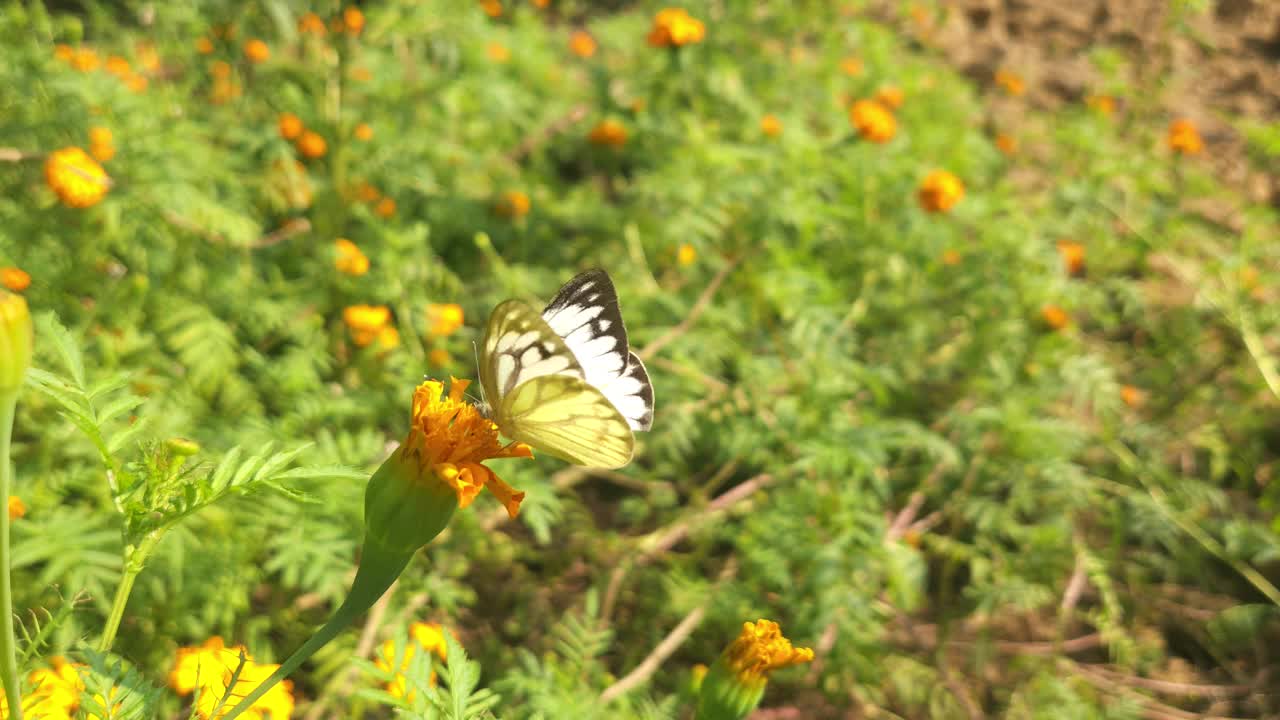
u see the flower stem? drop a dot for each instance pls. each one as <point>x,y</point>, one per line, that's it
<point>378,569</point>
<point>135,558</point>
<point>8,646</point>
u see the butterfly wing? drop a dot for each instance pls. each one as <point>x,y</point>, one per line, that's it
<point>539,394</point>
<point>586,315</point>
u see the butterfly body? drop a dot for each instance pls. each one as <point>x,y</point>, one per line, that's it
<point>564,380</point>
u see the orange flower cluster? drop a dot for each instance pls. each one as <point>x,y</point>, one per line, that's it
<point>55,692</point>
<point>771,126</point>
<point>1054,317</point>
<point>1184,138</point>
<point>382,206</point>
<point>256,51</point>
<point>674,27</point>
<point>216,671</point>
<point>1072,254</point>
<point>15,279</point>
<point>225,87</point>
<point>873,121</point>
<point>492,8</point>
<point>582,44</point>
<point>351,21</point>
<point>85,59</point>
<point>940,191</point>
<point>77,179</point>
<point>308,143</point>
<point>513,204</point>
<point>443,319</point>
<point>368,323</point>
<point>349,260</point>
<point>608,133</point>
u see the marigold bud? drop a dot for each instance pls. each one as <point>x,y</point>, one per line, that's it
<point>16,340</point>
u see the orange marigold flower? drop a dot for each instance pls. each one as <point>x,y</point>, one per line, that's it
<point>311,23</point>
<point>361,74</point>
<point>541,4</point>
<point>770,125</point>
<point>353,19</point>
<point>16,507</point>
<point>427,637</point>
<point>1010,81</point>
<point>609,133</point>
<point>147,55</point>
<point>363,132</point>
<point>388,338</point>
<point>85,60</point>
<point>365,322</point>
<point>851,66</point>
<point>439,357</point>
<point>1072,254</point>
<point>1104,104</point>
<point>497,52</point>
<point>1184,138</point>
<point>290,126</point>
<point>443,319</point>
<point>15,279</point>
<point>220,69</point>
<point>674,27</point>
<point>1007,144</point>
<point>385,208</point>
<point>350,260</point>
<point>950,257</point>
<point>492,8</point>
<point>890,97</point>
<point>100,144</point>
<point>582,44</point>
<point>136,83</point>
<point>117,66</point>
<point>78,179</point>
<point>257,51</point>
<point>367,192</point>
<point>223,91</point>
<point>99,135</point>
<point>1132,396</point>
<point>940,191</point>
<point>64,52</point>
<point>55,692</point>
<point>204,45</point>
<point>513,204</point>
<point>450,439</point>
<point>873,121</point>
<point>686,255</point>
<point>1055,317</point>
<point>760,649</point>
<point>311,145</point>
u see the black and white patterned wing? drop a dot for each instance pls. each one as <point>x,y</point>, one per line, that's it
<point>518,346</point>
<point>586,315</point>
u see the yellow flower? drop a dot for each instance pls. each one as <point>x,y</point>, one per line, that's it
<point>15,279</point>
<point>365,322</point>
<point>890,97</point>
<point>16,340</point>
<point>78,179</point>
<point>209,668</point>
<point>608,133</point>
<point>257,51</point>
<point>497,52</point>
<point>364,132</point>
<point>1010,81</point>
<point>385,208</point>
<point>388,338</point>
<point>674,27</point>
<point>851,66</point>
<point>940,191</point>
<point>85,60</point>
<point>735,683</point>
<point>350,260</point>
<point>16,507</point>
<point>873,121</point>
<point>1007,144</point>
<point>290,126</point>
<point>195,666</point>
<point>1184,138</point>
<point>513,204</point>
<point>427,637</point>
<point>1055,317</point>
<point>770,125</point>
<point>353,19</point>
<point>686,255</point>
<point>1072,254</point>
<point>450,440</point>
<point>443,319</point>
<point>100,144</point>
<point>55,694</point>
<point>204,45</point>
<point>582,44</point>
<point>311,145</point>
<point>64,52</point>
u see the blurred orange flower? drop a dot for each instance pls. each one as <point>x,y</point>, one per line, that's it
<point>443,318</point>
<point>85,60</point>
<point>311,23</point>
<point>439,357</point>
<point>686,255</point>
<point>290,126</point>
<point>64,52</point>
<point>492,8</point>
<point>1072,254</point>
<point>367,192</point>
<point>1184,138</point>
<point>940,191</point>
<point>385,208</point>
<point>15,279</point>
<point>770,125</point>
<point>361,74</point>
<point>426,637</point>
<point>312,145</point>
<point>1132,396</point>
<point>220,69</point>
<point>1055,317</point>
<point>1007,144</point>
<point>1104,104</point>
<point>349,259</point>
<point>851,66</point>
<point>204,45</point>
<point>364,132</point>
<point>1010,81</point>
<point>674,27</point>
<point>873,121</point>
<point>609,133</point>
<point>100,144</point>
<point>950,257</point>
<point>497,52</point>
<point>257,51</point>
<point>353,19</point>
<point>117,66</point>
<point>513,204</point>
<point>890,97</point>
<point>78,179</point>
<point>16,508</point>
<point>582,44</point>
<point>365,322</point>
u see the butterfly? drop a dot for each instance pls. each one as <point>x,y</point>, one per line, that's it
<point>565,381</point>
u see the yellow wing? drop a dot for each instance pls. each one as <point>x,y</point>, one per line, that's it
<point>566,417</point>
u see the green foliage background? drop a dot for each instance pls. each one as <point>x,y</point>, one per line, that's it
<point>943,495</point>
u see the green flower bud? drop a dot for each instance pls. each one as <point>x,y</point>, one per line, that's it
<point>16,340</point>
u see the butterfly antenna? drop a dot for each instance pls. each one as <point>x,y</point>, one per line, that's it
<point>482,402</point>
